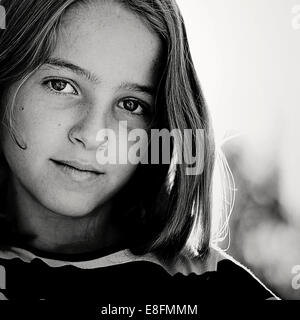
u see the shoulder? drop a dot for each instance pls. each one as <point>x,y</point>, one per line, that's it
<point>240,281</point>
<point>221,275</point>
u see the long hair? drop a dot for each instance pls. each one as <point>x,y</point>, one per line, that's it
<point>177,216</point>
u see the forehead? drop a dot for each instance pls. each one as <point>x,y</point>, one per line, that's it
<point>105,37</point>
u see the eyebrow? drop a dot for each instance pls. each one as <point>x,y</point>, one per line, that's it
<point>138,88</point>
<point>57,62</point>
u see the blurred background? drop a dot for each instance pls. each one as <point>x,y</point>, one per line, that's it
<point>247,56</point>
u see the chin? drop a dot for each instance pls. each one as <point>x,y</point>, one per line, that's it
<point>73,208</point>
<point>66,212</point>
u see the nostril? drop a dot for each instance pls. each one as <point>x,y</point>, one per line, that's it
<point>84,137</point>
<point>85,130</point>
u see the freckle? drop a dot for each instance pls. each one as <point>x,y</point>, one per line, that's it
<point>59,124</point>
<point>22,108</point>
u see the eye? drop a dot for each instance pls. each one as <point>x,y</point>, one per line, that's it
<point>132,105</point>
<point>61,86</point>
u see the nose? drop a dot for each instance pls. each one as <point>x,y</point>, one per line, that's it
<point>84,131</point>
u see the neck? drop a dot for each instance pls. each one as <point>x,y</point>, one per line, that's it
<point>53,233</point>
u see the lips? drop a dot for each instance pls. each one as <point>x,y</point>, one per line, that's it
<point>77,174</point>
<point>78,165</point>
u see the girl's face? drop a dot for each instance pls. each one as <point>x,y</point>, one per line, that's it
<point>102,71</point>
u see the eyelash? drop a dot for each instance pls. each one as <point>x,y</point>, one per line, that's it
<point>46,83</point>
<point>140,104</point>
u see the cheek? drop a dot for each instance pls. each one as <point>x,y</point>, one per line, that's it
<point>31,118</point>
<point>40,128</point>
<point>42,139</point>
<point>24,164</point>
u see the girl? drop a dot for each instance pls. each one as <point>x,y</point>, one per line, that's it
<point>71,223</point>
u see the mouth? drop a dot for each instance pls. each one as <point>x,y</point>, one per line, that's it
<point>77,171</point>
